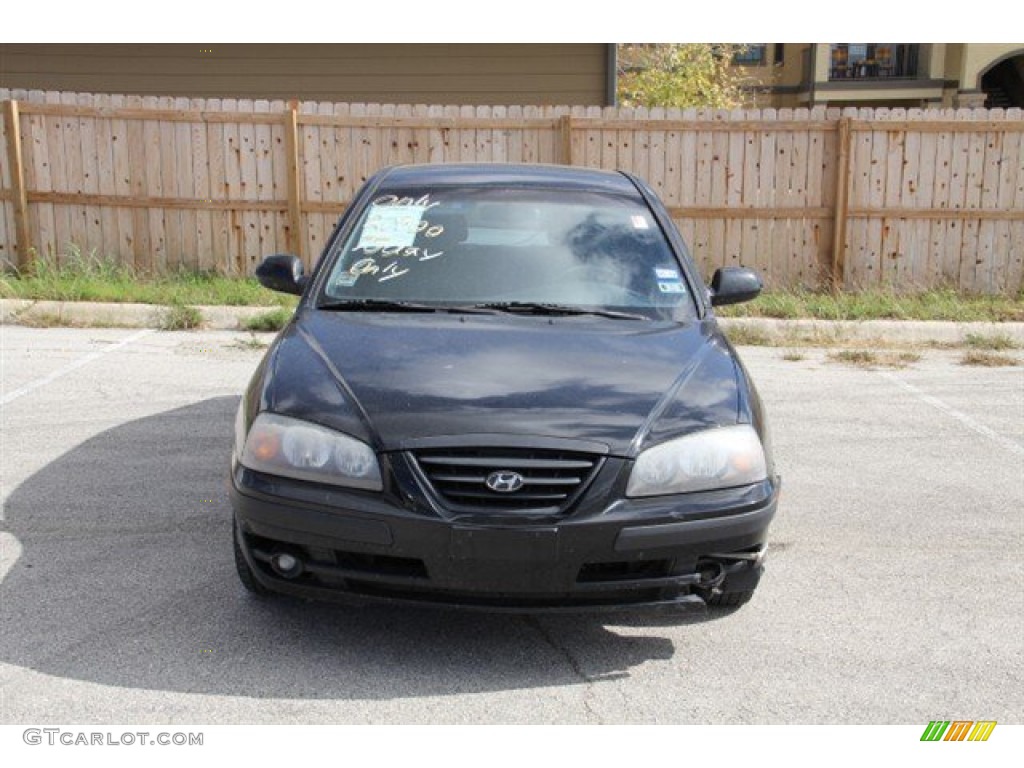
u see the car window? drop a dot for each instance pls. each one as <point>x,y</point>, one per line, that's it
<point>462,245</point>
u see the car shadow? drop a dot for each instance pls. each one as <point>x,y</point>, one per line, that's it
<point>125,578</point>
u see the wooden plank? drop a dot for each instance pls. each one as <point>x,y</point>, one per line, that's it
<point>748,186</point>
<point>941,199</point>
<point>766,197</point>
<point>953,236</point>
<point>160,113</point>
<point>969,278</point>
<point>671,176</point>
<point>93,243</point>
<point>781,241</point>
<point>153,171</point>
<point>891,265</point>
<point>702,231</point>
<point>250,184</point>
<point>170,172</point>
<point>719,168</point>
<point>565,131</point>
<point>16,159</point>
<point>105,180</point>
<point>963,124</point>
<point>876,196</point>
<point>514,136</point>
<point>1008,269</point>
<point>58,180</point>
<point>37,169</point>
<point>233,191</point>
<point>987,261</point>
<point>326,153</point>
<point>732,245</point>
<point>183,157</point>
<point>641,139</point>
<point>439,136</point>
<point>294,162</point>
<point>75,176</point>
<point>280,169</point>
<point>264,152</point>
<point>120,157</point>
<point>203,257</point>
<point>800,263</point>
<point>140,243</point>
<point>819,233</point>
<point>918,181</point>
<point>220,220</point>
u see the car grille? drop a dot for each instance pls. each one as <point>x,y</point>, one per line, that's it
<point>551,480</point>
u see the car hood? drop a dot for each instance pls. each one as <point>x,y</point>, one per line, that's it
<point>396,380</point>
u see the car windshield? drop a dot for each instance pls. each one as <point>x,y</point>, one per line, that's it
<point>504,248</point>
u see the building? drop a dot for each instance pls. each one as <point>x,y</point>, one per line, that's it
<point>885,74</point>
<point>463,74</point>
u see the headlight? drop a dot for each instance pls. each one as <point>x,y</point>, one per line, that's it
<point>279,445</point>
<point>716,458</point>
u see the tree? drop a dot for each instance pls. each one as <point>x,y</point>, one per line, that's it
<point>681,75</point>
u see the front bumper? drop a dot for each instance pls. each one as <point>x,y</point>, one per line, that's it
<point>659,553</point>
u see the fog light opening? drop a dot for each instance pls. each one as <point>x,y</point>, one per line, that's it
<point>286,565</point>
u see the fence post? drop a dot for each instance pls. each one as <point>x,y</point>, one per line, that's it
<point>565,139</point>
<point>838,269</point>
<point>296,241</point>
<point>15,161</point>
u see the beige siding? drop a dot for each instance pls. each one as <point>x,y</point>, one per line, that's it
<point>384,73</point>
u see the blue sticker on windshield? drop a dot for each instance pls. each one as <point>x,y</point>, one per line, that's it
<point>663,273</point>
<point>674,286</point>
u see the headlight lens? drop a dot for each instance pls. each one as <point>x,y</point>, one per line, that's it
<point>717,458</point>
<point>279,445</point>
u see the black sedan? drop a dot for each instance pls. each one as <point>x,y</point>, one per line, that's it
<point>504,388</point>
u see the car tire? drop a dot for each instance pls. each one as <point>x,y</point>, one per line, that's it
<point>730,599</point>
<point>245,574</point>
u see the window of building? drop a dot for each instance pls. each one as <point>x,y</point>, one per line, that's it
<point>862,61</point>
<point>753,55</point>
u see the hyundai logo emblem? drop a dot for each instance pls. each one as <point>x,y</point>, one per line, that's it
<point>504,481</point>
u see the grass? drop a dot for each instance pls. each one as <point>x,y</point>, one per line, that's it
<point>274,320</point>
<point>250,343</point>
<point>793,356</point>
<point>987,359</point>
<point>995,342</point>
<point>180,317</point>
<point>83,276</point>
<point>866,358</point>
<point>944,304</point>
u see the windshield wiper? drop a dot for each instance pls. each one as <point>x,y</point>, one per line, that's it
<point>395,305</point>
<point>539,308</point>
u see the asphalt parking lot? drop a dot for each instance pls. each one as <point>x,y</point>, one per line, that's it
<point>894,591</point>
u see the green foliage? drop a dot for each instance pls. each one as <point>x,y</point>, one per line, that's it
<point>274,320</point>
<point>80,276</point>
<point>180,317</point>
<point>680,75</point>
<point>943,304</point>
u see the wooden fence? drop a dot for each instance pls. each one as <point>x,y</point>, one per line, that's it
<point>913,199</point>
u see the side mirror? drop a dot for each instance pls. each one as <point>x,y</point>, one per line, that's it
<point>732,285</point>
<point>282,273</point>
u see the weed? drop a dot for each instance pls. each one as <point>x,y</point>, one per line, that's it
<point>987,359</point>
<point>274,320</point>
<point>995,342</point>
<point>180,317</point>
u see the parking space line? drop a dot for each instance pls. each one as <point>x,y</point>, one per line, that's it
<point>71,367</point>
<point>1010,445</point>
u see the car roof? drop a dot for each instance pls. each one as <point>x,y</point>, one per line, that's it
<point>508,174</point>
